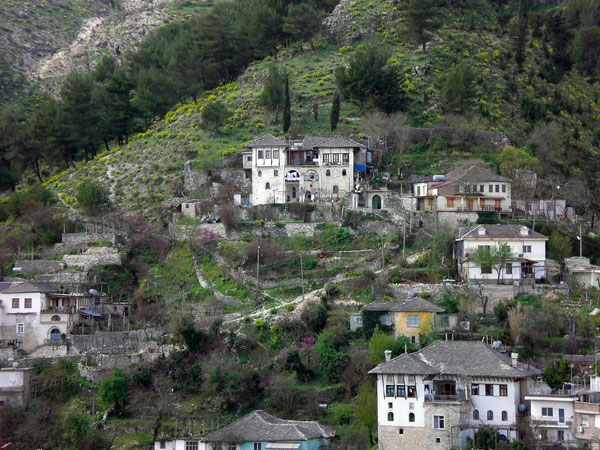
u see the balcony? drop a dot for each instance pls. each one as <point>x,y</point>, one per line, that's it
<point>444,398</point>
<point>587,408</point>
<point>551,423</point>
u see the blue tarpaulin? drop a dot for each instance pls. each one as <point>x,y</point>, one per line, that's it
<point>360,167</point>
<point>89,312</point>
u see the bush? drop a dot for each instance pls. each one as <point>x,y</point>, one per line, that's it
<point>91,195</point>
<point>35,194</point>
<point>315,318</point>
<point>112,390</point>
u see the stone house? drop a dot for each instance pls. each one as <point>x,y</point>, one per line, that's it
<point>318,168</point>
<point>471,188</point>
<point>257,431</point>
<point>410,317</point>
<point>580,270</point>
<point>445,392</point>
<point>528,249</point>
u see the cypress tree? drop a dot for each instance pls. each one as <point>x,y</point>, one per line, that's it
<point>286,108</point>
<point>334,117</point>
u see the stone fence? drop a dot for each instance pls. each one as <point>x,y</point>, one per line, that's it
<point>94,256</point>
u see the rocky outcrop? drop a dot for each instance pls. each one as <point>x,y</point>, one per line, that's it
<point>346,24</point>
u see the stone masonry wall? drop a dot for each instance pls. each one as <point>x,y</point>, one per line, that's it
<point>84,238</point>
<point>94,256</point>
<point>39,266</point>
<point>402,290</point>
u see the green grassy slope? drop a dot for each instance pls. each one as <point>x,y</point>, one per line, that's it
<point>140,173</point>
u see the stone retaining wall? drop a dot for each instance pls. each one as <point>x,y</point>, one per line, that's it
<point>401,290</point>
<point>84,238</point>
<point>39,266</point>
<point>63,277</point>
<point>94,256</point>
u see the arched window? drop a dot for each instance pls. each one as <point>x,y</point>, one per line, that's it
<point>55,334</point>
<point>336,189</point>
<point>504,416</point>
<point>260,173</point>
<point>390,417</point>
<point>55,318</point>
<point>344,172</point>
<point>275,173</point>
<point>376,202</point>
<point>411,417</point>
<point>328,173</point>
<point>475,414</point>
<point>490,415</point>
<point>268,185</point>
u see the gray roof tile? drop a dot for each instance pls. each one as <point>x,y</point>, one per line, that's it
<point>414,304</point>
<point>474,173</point>
<point>466,358</point>
<point>262,426</point>
<point>267,140</point>
<point>329,142</point>
<point>31,286</point>
<point>502,231</point>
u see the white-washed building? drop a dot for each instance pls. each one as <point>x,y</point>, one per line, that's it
<point>318,168</point>
<point>528,253</point>
<point>552,417</point>
<point>470,188</point>
<point>445,392</point>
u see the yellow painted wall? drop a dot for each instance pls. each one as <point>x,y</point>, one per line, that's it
<point>425,323</point>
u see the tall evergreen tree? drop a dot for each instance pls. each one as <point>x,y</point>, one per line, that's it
<point>422,18</point>
<point>302,22</point>
<point>287,117</point>
<point>273,90</point>
<point>334,117</point>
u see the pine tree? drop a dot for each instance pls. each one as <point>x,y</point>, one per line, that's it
<point>334,117</point>
<point>422,19</point>
<point>286,108</point>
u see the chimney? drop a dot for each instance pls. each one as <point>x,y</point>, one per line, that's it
<point>514,357</point>
<point>524,231</point>
<point>482,231</point>
<point>388,355</point>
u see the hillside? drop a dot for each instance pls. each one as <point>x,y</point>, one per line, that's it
<point>526,104</point>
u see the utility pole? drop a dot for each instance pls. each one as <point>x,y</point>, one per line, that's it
<point>404,238</point>
<point>257,260</point>
<point>302,275</point>
<point>580,241</point>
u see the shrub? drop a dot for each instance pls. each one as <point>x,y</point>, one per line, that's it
<point>112,390</point>
<point>91,195</point>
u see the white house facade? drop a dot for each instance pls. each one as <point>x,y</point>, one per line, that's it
<point>442,394</point>
<point>527,260</point>
<point>314,169</point>
<point>552,417</point>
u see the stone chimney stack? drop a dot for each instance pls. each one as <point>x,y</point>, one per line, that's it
<point>388,355</point>
<point>514,357</point>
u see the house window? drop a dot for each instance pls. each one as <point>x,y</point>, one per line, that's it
<point>486,269</point>
<point>275,173</point>
<point>27,303</point>
<point>390,405</point>
<point>503,188</point>
<point>413,339</point>
<point>328,173</point>
<point>261,154</point>
<point>490,415</point>
<point>429,202</point>
<point>345,158</point>
<point>489,389</point>
<point>450,202</point>
<point>504,416</point>
<point>257,446</point>
<point>474,188</point>
<point>191,445</point>
<point>418,191</point>
<point>336,158</point>
<point>475,414</point>
<point>560,435</point>
<point>249,158</point>
<point>412,391</point>
<point>400,431</point>
<point>359,320</point>
<point>497,188</point>
<point>547,412</point>
<point>268,155</point>
<point>390,417</point>
<point>527,249</point>
<point>438,422</point>
<point>325,157</point>
<point>411,417</point>
<point>267,185</point>
<point>231,447</point>
<point>275,154</point>
<point>401,390</point>
<point>343,172</point>
<point>508,269</point>
<point>260,173</point>
<point>491,189</point>
<point>389,390</point>
<point>20,328</point>
<point>335,189</point>
<point>503,390</point>
<point>413,321</point>
<point>474,389</point>
<point>585,420</point>
<point>481,188</point>
<point>15,302</point>
<point>438,440</point>
<point>163,444</point>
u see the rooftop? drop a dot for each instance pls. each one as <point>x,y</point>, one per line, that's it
<point>267,140</point>
<point>262,426</point>
<point>502,231</point>
<point>466,358</point>
<point>31,286</point>
<point>474,173</point>
<point>411,304</point>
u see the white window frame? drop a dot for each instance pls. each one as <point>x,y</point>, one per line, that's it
<point>526,248</point>
<point>547,411</point>
<point>585,420</point>
<point>20,328</point>
<point>439,423</point>
<point>413,321</point>
<point>358,320</point>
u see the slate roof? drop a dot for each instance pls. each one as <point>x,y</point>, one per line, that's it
<point>474,173</point>
<point>329,141</point>
<point>466,358</point>
<point>31,286</point>
<point>502,231</point>
<point>414,304</point>
<point>267,140</point>
<point>5,285</point>
<point>260,426</point>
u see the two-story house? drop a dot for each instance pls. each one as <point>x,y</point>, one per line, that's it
<point>552,417</point>
<point>314,169</point>
<point>258,430</point>
<point>527,259</point>
<point>469,188</point>
<point>410,317</point>
<point>445,392</point>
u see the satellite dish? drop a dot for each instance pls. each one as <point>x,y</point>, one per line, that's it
<point>15,364</point>
<point>93,292</point>
<point>497,344</point>
<point>522,407</point>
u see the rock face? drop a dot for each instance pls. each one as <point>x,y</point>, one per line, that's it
<point>346,24</point>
